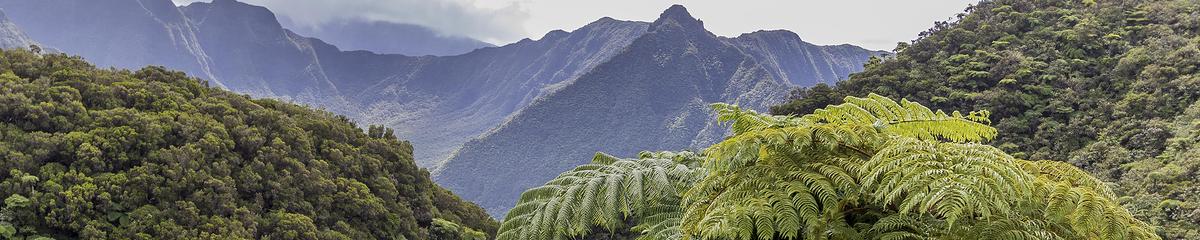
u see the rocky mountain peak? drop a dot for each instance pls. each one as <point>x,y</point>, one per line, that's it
<point>676,11</point>
<point>677,15</point>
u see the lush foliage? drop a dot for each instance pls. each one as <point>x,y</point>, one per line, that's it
<point>870,168</point>
<point>1103,85</point>
<point>447,230</point>
<point>153,154</point>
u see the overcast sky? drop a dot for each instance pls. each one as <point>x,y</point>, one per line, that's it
<point>874,24</point>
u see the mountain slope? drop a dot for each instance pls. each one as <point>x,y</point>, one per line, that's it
<point>388,38</point>
<point>11,36</point>
<point>1109,86</point>
<point>454,99</point>
<point>654,95</point>
<point>154,154</point>
<point>258,56</point>
<point>123,34</point>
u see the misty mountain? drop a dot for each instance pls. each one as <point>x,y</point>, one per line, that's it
<point>441,102</point>
<point>655,95</point>
<point>12,36</point>
<point>438,103</point>
<point>387,38</point>
<point>255,54</point>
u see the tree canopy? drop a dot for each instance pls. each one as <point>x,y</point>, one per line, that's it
<point>153,154</point>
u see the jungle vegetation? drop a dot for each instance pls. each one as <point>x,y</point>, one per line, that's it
<point>95,153</point>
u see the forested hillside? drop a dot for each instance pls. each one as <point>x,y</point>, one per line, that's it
<point>154,154</point>
<point>1109,86</point>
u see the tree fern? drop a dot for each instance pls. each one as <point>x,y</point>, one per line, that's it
<point>605,194</point>
<point>871,168</point>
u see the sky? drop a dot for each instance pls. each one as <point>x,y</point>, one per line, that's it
<point>873,24</point>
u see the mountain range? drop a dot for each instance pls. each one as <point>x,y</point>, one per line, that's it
<point>652,96</point>
<point>490,122</point>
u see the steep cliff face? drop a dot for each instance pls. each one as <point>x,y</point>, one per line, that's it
<point>251,47</point>
<point>123,34</point>
<point>12,36</point>
<point>652,96</point>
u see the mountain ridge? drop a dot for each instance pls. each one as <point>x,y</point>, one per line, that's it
<point>660,88</point>
<point>480,89</point>
<point>773,47</point>
<point>387,38</point>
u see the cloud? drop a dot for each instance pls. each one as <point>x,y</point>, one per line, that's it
<point>450,17</point>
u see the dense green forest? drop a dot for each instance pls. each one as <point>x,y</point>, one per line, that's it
<point>153,154</point>
<point>870,168</point>
<point>1109,86</point>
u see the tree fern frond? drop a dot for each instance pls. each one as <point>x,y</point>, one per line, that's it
<point>907,119</point>
<point>604,194</point>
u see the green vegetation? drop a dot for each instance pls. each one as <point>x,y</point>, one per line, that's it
<point>153,154</point>
<point>870,168</point>
<point>1108,86</point>
<point>608,194</point>
<point>447,230</point>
